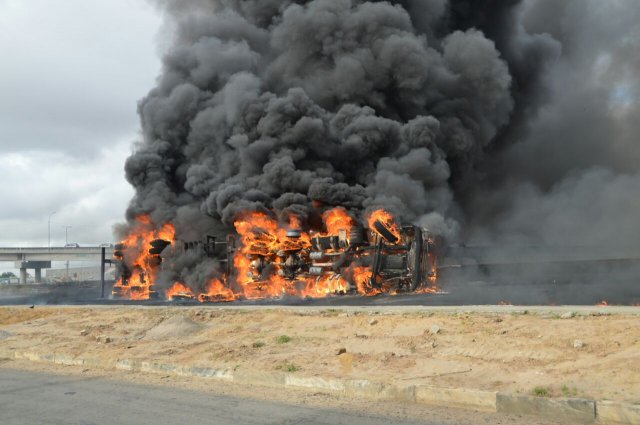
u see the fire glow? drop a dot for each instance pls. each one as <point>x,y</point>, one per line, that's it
<point>275,258</point>
<point>380,220</point>
<point>178,290</point>
<point>143,265</point>
<point>262,236</point>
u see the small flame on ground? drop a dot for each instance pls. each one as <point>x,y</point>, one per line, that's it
<point>216,291</point>
<point>324,285</point>
<point>178,290</point>
<point>426,290</point>
<point>603,303</point>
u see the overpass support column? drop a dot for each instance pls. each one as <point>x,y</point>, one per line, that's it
<point>30,264</point>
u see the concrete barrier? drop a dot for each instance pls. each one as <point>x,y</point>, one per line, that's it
<point>457,397</point>
<point>333,385</point>
<point>67,360</point>
<point>126,364</point>
<point>379,390</point>
<point>568,410</point>
<point>265,379</point>
<point>205,372</point>
<point>617,413</point>
<point>159,368</point>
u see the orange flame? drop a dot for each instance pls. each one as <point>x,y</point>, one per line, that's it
<point>261,236</point>
<point>362,278</point>
<point>294,222</point>
<point>430,290</point>
<point>433,270</point>
<point>274,258</point>
<point>603,303</point>
<point>178,290</point>
<point>216,291</point>
<point>387,221</point>
<point>337,219</point>
<point>327,284</point>
<point>136,256</point>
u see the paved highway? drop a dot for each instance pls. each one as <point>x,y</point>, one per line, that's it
<point>28,398</point>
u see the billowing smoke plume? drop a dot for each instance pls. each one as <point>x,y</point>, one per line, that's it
<point>414,106</point>
<point>272,105</point>
<point>572,178</point>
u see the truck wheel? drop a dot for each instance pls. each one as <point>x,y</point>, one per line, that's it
<point>385,232</point>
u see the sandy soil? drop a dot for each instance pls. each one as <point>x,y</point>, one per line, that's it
<point>593,355</point>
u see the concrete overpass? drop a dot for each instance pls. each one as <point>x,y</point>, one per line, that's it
<point>40,258</point>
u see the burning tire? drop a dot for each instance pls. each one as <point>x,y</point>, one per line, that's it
<point>157,246</point>
<point>385,232</point>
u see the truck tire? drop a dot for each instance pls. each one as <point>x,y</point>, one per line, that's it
<point>384,231</point>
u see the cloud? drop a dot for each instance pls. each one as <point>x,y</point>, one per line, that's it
<point>89,195</point>
<point>72,72</point>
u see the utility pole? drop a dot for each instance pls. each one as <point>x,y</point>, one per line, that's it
<point>49,230</point>
<point>66,242</point>
<point>66,234</point>
<point>102,262</point>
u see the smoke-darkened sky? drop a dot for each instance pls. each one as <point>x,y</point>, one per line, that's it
<point>70,77</point>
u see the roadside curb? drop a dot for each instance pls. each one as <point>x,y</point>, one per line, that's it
<point>617,413</point>
<point>458,397</point>
<point>576,410</point>
<point>560,409</point>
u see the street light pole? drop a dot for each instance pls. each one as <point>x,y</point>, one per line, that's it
<point>66,234</point>
<point>49,230</point>
<point>66,242</point>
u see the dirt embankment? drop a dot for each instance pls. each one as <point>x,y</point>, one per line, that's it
<point>587,355</point>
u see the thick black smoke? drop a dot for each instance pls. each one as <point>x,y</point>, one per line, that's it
<point>272,105</point>
<point>413,105</point>
<point>573,177</point>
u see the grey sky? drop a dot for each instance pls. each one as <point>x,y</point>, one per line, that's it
<point>71,75</point>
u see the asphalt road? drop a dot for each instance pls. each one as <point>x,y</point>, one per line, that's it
<point>28,398</point>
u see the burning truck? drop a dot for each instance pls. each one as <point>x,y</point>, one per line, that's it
<point>267,258</point>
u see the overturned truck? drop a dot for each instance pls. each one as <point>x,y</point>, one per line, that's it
<point>265,259</point>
